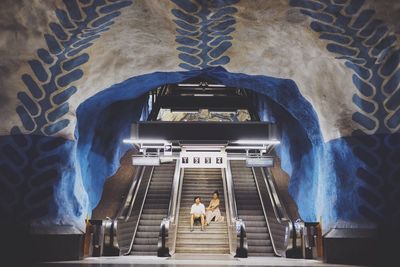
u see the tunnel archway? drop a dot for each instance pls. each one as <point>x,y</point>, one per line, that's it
<point>301,149</point>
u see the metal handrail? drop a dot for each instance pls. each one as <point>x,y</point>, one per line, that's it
<point>163,248</point>
<point>237,223</point>
<point>272,193</point>
<point>279,209</point>
<point>131,196</point>
<point>141,210</point>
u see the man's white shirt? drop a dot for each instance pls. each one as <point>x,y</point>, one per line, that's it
<point>198,209</point>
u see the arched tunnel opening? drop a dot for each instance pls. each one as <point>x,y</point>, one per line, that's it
<point>105,120</point>
<point>103,123</point>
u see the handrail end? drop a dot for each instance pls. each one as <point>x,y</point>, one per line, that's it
<point>242,247</point>
<point>162,248</point>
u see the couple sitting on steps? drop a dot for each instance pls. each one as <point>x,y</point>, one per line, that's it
<point>205,215</point>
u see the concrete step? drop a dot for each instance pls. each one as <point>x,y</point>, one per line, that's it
<point>202,241</point>
<point>190,199</point>
<point>204,245</point>
<point>215,237</point>
<point>222,229</point>
<point>212,235</point>
<point>199,232</point>
<point>210,250</point>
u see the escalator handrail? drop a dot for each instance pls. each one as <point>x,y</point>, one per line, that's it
<point>279,209</point>
<point>130,197</point>
<point>163,249</point>
<point>141,210</point>
<point>280,219</point>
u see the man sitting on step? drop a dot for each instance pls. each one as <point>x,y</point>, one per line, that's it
<point>197,212</point>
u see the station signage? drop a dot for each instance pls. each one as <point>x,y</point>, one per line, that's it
<point>201,159</point>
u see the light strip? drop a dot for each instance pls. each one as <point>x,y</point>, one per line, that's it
<point>257,142</point>
<point>199,85</point>
<point>144,141</point>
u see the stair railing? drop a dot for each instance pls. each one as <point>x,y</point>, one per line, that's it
<point>236,226</point>
<point>168,226</point>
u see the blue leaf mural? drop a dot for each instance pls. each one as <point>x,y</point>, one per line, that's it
<point>204,32</point>
<point>30,165</point>
<point>369,50</point>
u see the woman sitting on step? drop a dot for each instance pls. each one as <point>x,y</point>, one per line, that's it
<point>212,211</point>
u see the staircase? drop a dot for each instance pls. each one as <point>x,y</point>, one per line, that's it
<point>154,210</point>
<point>201,182</point>
<point>250,210</point>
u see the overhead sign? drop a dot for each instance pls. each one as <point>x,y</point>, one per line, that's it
<point>200,159</point>
<point>168,149</point>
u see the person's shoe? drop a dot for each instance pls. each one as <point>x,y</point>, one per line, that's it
<point>203,229</point>
<point>191,229</point>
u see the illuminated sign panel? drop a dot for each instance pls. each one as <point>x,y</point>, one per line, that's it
<point>200,159</point>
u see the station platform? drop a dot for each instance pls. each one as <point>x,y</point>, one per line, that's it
<point>190,260</point>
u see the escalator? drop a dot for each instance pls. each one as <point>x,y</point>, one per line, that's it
<point>154,210</point>
<point>250,210</point>
<point>137,229</point>
<point>214,240</point>
<point>268,227</point>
